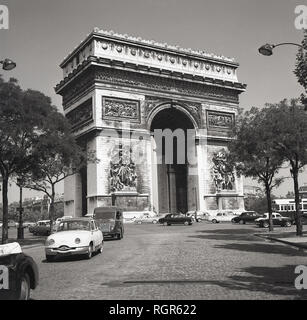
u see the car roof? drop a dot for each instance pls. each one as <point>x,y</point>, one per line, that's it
<point>106,209</point>
<point>78,219</point>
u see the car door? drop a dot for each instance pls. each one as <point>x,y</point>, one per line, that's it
<point>249,217</point>
<point>95,235</point>
<point>277,219</point>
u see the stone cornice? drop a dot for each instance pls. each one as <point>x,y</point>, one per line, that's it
<point>138,41</point>
<point>149,55</point>
<point>118,65</point>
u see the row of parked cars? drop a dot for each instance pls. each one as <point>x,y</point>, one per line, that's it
<point>226,216</point>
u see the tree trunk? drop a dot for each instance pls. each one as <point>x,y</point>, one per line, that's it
<point>298,219</point>
<point>51,210</point>
<point>269,200</point>
<point>5,184</point>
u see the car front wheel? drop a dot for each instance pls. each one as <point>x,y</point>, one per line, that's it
<point>119,236</point>
<point>214,221</point>
<point>265,225</point>
<point>186,223</point>
<point>101,248</point>
<point>25,287</point>
<point>90,252</point>
<point>288,224</point>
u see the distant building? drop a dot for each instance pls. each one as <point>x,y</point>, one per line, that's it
<point>288,204</point>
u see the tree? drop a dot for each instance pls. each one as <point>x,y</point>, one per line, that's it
<point>288,122</point>
<point>253,154</point>
<point>301,68</point>
<point>258,204</point>
<point>58,156</point>
<point>23,116</point>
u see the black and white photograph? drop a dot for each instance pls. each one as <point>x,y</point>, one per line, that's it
<point>153,153</point>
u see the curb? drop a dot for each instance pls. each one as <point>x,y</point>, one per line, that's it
<point>297,245</point>
<point>32,246</point>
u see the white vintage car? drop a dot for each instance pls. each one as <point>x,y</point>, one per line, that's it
<point>223,217</point>
<point>77,236</point>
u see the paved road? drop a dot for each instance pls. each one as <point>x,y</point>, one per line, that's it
<point>204,261</point>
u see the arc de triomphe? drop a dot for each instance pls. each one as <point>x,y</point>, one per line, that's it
<point>126,98</point>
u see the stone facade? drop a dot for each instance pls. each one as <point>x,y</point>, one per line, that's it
<point>115,87</point>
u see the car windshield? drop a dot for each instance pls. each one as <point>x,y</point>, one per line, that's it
<point>105,215</point>
<point>73,225</point>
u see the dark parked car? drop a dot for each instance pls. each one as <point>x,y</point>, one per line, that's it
<point>42,228</point>
<point>246,217</point>
<point>110,221</point>
<point>278,220</point>
<point>19,273</point>
<point>170,219</point>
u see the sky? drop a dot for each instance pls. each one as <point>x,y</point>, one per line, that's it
<point>43,32</point>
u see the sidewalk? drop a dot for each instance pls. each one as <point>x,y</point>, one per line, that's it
<point>287,237</point>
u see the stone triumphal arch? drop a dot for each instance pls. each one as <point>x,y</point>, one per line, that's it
<point>158,118</point>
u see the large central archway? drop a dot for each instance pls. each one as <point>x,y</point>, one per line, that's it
<point>174,188</point>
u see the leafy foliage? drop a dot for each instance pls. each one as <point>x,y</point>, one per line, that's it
<point>252,151</point>
<point>301,68</point>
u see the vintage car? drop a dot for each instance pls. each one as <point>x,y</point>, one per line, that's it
<point>278,220</point>
<point>77,236</point>
<point>110,221</point>
<point>170,219</point>
<point>199,216</point>
<point>246,217</point>
<point>19,273</point>
<point>42,228</point>
<point>147,218</point>
<point>223,217</point>
<point>59,220</point>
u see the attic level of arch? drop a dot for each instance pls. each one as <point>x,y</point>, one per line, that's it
<point>98,71</point>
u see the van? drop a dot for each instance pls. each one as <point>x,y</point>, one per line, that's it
<point>110,221</point>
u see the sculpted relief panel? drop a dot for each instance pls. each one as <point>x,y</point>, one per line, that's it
<point>223,172</point>
<point>123,176</point>
<point>120,109</point>
<point>220,119</point>
<point>81,114</point>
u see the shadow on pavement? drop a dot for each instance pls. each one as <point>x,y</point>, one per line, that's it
<point>268,248</point>
<point>276,281</point>
<point>227,234</point>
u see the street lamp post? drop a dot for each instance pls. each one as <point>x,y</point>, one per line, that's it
<point>267,49</point>
<point>8,64</point>
<point>20,232</point>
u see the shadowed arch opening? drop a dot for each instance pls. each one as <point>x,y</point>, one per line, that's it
<point>172,183</point>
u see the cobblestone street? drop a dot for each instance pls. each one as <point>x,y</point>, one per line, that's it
<point>204,261</point>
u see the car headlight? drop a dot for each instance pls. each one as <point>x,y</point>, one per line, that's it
<point>77,241</point>
<point>50,242</point>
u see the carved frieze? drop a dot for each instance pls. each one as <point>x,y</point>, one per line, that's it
<point>82,114</point>
<point>220,119</point>
<point>120,77</point>
<point>120,109</point>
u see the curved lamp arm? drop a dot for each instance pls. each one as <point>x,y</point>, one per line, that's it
<point>267,49</point>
